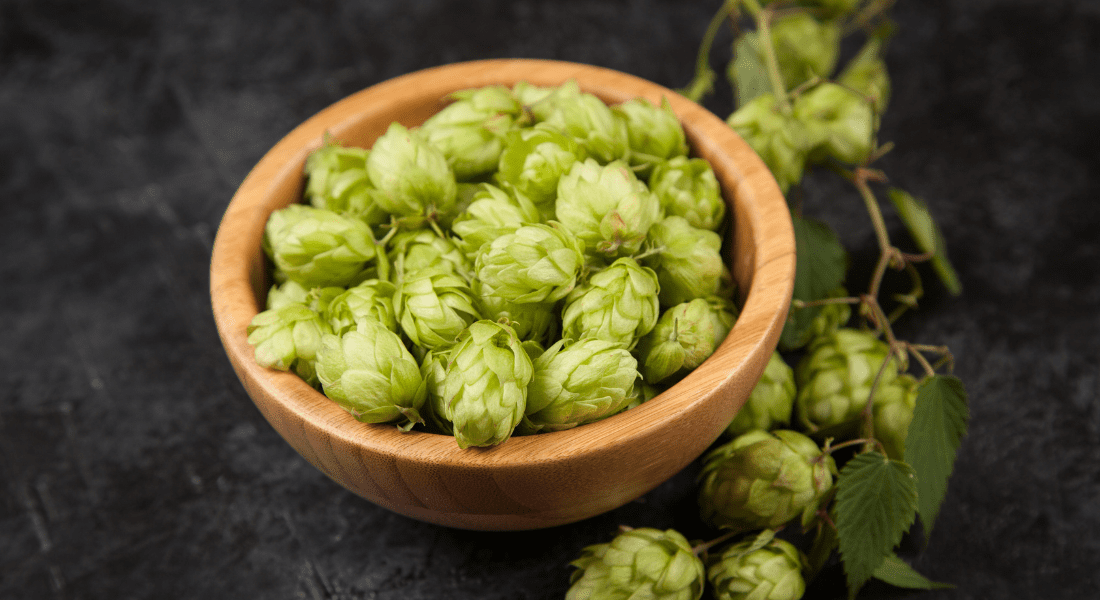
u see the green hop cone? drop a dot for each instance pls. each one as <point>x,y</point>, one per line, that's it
<point>685,336</point>
<point>413,251</point>
<point>484,390</point>
<point>492,213</point>
<point>433,368</point>
<point>607,207</point>
<point>288,292</point>
<point>835,376</point>
<point>771,401</point>
<point>643,392</point>
<point>541,102</point>
<point>781,140</point>
<point>535,263</point>
<point>412,177</point>
<point>317,247</point>
<point>772,572</point>
<point>639,563</point>
<point>371,374</point>
<point>470,131</point>
<point>686,187</point>
<point>654,133</point>
<point>763,480</point>
<point>804,46</point>
<point>371,300</point>
<point>577,383</point>
<point>840,118</point>
<point>593,124</point>
<point>618,304</point>
<point>893,409</point>
<point>532,321</point>
<point>687,260</point>
<point>829,318</point>
<point>433,306</point>
<point>288,338</point>
<point>535,158</point>
<point>867,74</point>
<point>337,180</point>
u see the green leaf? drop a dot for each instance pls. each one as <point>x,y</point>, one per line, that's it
<point>876,502</point>
<point>746,71</point>
<point>821,266</point>
<point>939,423</point>
<point>897,572</point>
<point>926,233</point>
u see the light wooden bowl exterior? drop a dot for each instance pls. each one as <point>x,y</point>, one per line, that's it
<point>532,481</point>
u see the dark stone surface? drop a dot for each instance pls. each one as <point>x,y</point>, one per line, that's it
<point>132,464</point>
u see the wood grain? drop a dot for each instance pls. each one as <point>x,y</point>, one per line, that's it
<point>532,481</point>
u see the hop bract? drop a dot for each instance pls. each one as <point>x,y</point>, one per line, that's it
<point>685,336</point>
<point>839,120</point>
<point>532,321</point>
<point>769,405</point>
<point>337,180</point>
<point>317,247</point>
<point>618,304</point>
<point>288,338</point>
<point>433,306</point>
<point>484,390</point>
<point>288,292</point>
<point>579,383</point>
<point>534,159</point>
<point>688,260</point>
<point>412,177</point>
<point>654,133</point>
<point>639,563</point>
<point>371,374</point>
<point>593,124</point>
<point>834,379</point>
<point>686,187</point>
<point>535,263</point>
<point>772,572</point>
<point>781,140</point>
<point>763,480</point>
<point>607,207</point>
<point>371,300</point>
<point>470,132</point>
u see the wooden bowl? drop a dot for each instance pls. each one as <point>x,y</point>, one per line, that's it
<point>533,481</point>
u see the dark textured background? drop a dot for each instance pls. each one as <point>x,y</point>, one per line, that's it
<point>132,464</point>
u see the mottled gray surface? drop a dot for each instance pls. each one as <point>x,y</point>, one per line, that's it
<point>132,464</point>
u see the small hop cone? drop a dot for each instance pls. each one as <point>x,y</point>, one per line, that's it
<point>867,74</point>
<point>893,410</point>
<point>492,213</point>
<point>607,207</point>
<point>579,383</point>
<point>484,390</point>
<point>371,300</point>
<point>835,376</point>
<point>805,47</point>
<point>781,141</point>
<point>317,247</point>
<point>337,180</point>
<point>414,251</point>
<point>618,304</point>
<point>288,338</point>
<point>687,187</point>
<point>536,263</point>
<point>433,369</point>
<point>433,306</point>
<point>770,403</point>
<point>654,133</point>
<point>288,292</point>
<point>829,318</point>
<point>763,480</point>
<point>839,119</point>
<point>685,336</point>
<point>593,124</point>
<point>688,260</point>
<point>773,572</point>
<point>534,159</point>
<point>470,132</point>
<point>412,177</point>
<point>371,374</point>
<point>532,321</point>
<point>639,563</point>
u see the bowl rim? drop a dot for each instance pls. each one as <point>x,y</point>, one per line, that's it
<point>755,332</point>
